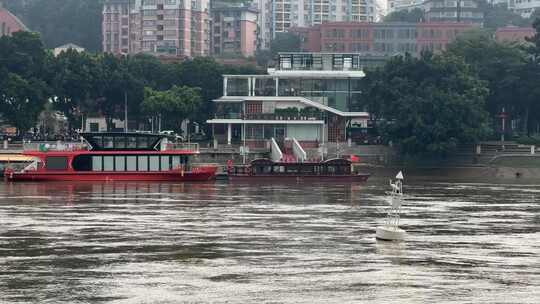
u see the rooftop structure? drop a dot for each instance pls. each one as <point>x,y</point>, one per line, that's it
<point>65,47</point>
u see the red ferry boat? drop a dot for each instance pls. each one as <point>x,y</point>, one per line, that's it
<point>114,157</point>
<point>332,170</point>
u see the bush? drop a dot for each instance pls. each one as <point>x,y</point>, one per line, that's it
<point>529,140</point>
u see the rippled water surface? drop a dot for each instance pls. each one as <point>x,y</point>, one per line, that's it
<point>239,243</point>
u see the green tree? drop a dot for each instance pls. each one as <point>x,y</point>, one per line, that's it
<point>23,75</point>
<point>416,15</point>
<point>173,106</point>
<point>285,42</point>
<point>498,15</point>
<point>493,62</point>
<point>22,100</point>
<point>429,105</point>
<point>72,83</point>
<point>207,74</point>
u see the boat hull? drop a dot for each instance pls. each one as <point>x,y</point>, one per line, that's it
<point>200,175</point>
<point>362,178</point>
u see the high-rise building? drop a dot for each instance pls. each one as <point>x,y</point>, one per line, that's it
<point>168,27</point>
<point>280,15</point>
<point>234,30</point>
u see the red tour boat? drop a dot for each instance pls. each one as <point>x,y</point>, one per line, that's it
<point>114,157</point>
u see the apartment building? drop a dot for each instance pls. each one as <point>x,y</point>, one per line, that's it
<point>280,15</point>
<point>9,23</point>
<point>160,27</point>
<point>524,7</point>
<point>234,30</point>
<point>453,11</point>
<point>381,39</point>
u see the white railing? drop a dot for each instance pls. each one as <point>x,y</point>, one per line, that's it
<point>193,147</point>
<point>277,155</point>
<point>54,146</point>
<point>298,151</point>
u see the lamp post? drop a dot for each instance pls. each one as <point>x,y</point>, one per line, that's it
<point>503,116</point>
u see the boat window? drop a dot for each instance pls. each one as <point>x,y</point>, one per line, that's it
<point>331,170</point>
<point>108,142</point>
<point>154,163</point>
<point>142,142</point>
<point>132,142</point>
<point>97,163</point>
<point>307,169</point>
<point>120,142</point>
<point>82,163</point>
<point>279,169</point>
<point>165,163</point>
<point>143,163</point>
<point>292,169</point>
<point>131,163</point>
<point>176,161</point>
<point>120,163</point>
<point>108,163</point>
<point>57,163</point>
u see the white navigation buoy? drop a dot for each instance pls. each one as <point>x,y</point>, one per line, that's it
<point>391,231</point>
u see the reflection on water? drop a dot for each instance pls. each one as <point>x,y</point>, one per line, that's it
<point>170,243</point>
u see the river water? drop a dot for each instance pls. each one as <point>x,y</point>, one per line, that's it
<point>268,243</point>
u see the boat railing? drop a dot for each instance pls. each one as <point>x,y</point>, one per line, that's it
<point>192,147</point>
<point>54,146</point>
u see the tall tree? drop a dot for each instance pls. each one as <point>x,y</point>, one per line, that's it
<point>493,62</point>
<point>429,105</point>
<point>414,16</point>
<point>23,89</point>
<point>174,105</point>
<point>21,100</point>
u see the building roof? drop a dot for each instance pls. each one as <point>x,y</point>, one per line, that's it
<point>8,16</point>
<point>69,46</point>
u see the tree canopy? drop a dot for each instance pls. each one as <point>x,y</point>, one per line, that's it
<point>23,87</point>
<point>415,15</point>
<point>428,105</point>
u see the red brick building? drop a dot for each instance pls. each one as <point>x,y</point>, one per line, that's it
<point>380,38</point>
<point>9,23</point>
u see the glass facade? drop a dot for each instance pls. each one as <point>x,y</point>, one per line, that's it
<point>340,93</point>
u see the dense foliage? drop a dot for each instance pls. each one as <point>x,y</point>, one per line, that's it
<point>82,84</point>
<point>428,105</point>
<point>414,16</point>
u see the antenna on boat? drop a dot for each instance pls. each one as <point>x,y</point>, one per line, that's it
<point>390,231</point>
